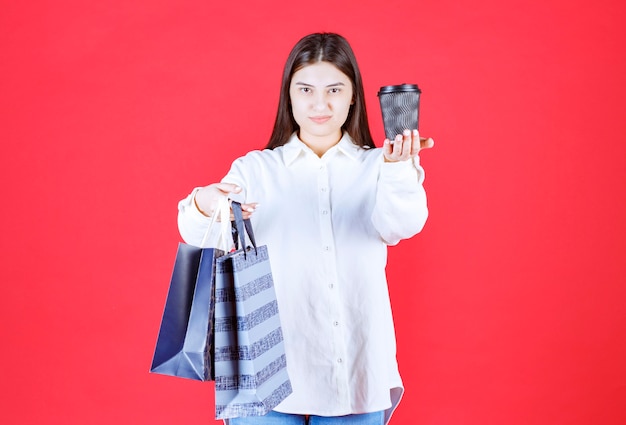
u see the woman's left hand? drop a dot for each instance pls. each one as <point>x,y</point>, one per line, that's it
<point>405,146</point>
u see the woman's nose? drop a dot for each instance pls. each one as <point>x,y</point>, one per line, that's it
<point>319,102</point>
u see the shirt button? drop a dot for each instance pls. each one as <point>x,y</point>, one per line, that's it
<point>331,286</point>
<point>326,248</point>
<point>340,360</point>
<point>323,189</point>
<point>325,212</point>
<point>336,323</point>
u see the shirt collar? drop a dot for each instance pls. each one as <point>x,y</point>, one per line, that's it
<point>295,147</point>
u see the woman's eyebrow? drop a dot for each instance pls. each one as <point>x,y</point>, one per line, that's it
<point>300,83</point>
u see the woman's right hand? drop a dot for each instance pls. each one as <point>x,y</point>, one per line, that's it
<point>206,199</point>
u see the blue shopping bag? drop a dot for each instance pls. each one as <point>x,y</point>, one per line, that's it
<point>184,346</point>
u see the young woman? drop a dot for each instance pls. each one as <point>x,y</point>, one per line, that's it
<point>327,203</point>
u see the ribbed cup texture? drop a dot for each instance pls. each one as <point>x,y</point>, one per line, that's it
<point>400,110</point>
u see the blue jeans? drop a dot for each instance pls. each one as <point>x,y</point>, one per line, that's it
<point>275,418</point>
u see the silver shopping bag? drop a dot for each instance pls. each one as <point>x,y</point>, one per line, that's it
<point>249,364</point>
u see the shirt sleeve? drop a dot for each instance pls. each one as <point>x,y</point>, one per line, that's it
<point>400,210</point>
<point>237,175</point>
<point>192,224</point>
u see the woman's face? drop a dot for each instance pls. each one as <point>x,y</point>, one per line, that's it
<point>321,96</point>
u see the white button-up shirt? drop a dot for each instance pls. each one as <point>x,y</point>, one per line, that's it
<point>327,223</point>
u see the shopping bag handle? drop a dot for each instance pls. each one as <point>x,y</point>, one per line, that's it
<point>240,224</point>
<point>222,211</point>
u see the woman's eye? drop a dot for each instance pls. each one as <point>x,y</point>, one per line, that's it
<point>305,90</point>
<point>335,90</point>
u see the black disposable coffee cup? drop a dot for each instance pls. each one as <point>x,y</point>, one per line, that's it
<point>400,108</point>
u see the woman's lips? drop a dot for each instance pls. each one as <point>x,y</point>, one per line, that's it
<point>320,119</point>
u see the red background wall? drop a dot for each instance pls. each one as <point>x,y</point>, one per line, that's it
<point>509,305</point>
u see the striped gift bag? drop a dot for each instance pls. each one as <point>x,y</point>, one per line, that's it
<point>250,365</point>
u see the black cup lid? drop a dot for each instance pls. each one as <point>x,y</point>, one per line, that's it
<point>399,88</point>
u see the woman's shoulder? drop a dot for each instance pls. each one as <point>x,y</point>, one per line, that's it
<point>369,154</point>
<point>260,156</point>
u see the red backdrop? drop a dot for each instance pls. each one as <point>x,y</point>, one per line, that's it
<point>509,305</point>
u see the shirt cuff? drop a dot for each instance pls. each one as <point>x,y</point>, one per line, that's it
<point>402,170</point>
<point>188,207</point>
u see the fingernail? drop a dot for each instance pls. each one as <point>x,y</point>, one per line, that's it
<point>250,210</point>
<point>415,132</point>
<point>407,132</point>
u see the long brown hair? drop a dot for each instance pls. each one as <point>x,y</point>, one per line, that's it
<point>314,48</point>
